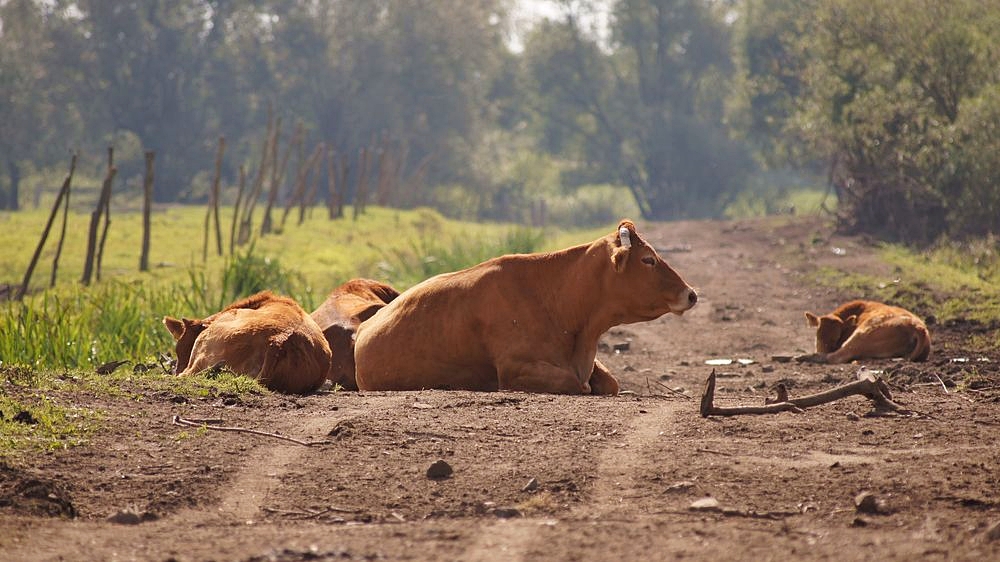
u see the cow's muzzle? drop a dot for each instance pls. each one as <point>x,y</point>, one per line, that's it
<point>686,300</point>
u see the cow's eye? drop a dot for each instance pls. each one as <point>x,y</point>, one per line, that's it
<point>649,260</point>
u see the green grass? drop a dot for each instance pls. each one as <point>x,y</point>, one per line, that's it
<point>38,423</point>
<point>40,411</point>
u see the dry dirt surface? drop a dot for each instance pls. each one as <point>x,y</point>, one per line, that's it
<point>640,476</point>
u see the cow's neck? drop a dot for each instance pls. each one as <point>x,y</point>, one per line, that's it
<point>582,305</point>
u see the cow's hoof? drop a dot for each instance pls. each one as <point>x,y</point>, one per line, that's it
<point>811,358</point>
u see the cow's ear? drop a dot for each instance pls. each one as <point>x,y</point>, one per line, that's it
<point>174,326</point>
<point>812,319</point>
<point>619,257</point>
<point>851,320</point>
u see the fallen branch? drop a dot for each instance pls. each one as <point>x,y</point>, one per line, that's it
<point>189,423</point>
<point>309,513</point>
<point>867,385</point>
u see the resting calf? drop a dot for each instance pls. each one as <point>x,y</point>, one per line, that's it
<point>868,330</point>
<point>266,337</point>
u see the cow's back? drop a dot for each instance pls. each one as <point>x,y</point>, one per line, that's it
<point>432,335</point>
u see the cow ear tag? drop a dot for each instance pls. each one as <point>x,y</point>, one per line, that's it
<point>625,237</point>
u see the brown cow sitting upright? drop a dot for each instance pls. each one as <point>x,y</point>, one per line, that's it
<point>264,336</point>
<point>868,330</point>
<point>344,309</point>
<point>528,322</point>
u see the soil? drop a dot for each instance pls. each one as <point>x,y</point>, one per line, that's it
<point>640,476</point>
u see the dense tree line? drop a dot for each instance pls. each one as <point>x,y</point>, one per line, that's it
<point>895,103</point>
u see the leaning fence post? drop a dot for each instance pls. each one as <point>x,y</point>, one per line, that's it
<point>63,192</point>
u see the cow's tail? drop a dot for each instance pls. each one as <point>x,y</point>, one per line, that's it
<point>922,347</point>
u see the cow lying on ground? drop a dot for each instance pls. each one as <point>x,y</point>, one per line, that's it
<point>868,330</point>
<point>527,322</point>
<point>345,308</point>
<point>266,337</point>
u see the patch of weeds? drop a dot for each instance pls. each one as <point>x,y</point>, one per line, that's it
<point>38,423</point>
<point>542,502</point>
<point>211,384</point>
<point>19,375</point>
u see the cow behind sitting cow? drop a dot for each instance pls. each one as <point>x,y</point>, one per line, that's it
<point>344,309</point>
<point>868,330</point>
<point>264,336</point>
<point>527,322</point>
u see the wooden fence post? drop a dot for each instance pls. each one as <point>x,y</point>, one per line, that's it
<point>147,208</point>
<point>63,193</point>
<point>213,204</point>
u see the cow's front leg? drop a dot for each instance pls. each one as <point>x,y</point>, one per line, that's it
<point>602,381</point>
<point>540,376</point>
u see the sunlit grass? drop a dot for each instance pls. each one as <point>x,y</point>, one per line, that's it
<point>39,423</point>
<point>40,408</point>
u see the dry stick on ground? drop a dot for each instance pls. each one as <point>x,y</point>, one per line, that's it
<point>667,388</point>
<point>147,208</point>
<point>63,192</point>
<point>181,421</point>
<point>867,385</point>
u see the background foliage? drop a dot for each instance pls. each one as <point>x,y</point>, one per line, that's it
<point>662,108</point>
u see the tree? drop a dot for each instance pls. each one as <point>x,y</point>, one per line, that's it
<point>23,112</point>
<point>880,91</point>
<point>643,108</point>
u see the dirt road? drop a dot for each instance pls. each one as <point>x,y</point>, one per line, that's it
<point>539,477</point>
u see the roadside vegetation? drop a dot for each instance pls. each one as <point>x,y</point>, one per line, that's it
<point>951,282</point>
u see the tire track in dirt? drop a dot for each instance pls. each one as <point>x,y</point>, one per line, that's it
<point>613,488</point>
<point>246,494</point>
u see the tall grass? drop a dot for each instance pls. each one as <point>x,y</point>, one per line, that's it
<point>77,327</point>
<point>429,255</point>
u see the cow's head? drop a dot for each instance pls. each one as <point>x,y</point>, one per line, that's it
<point>185,332</point>
<point>831,330</point>
<point>650,285</point>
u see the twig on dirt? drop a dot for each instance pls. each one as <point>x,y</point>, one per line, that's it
<point>945,388</point>
<point>713,451</point>
<point>668,389</point>
<point>731,512</point>
<point>189,423</point>
<point>211,421</point>
<point>868,385</point>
